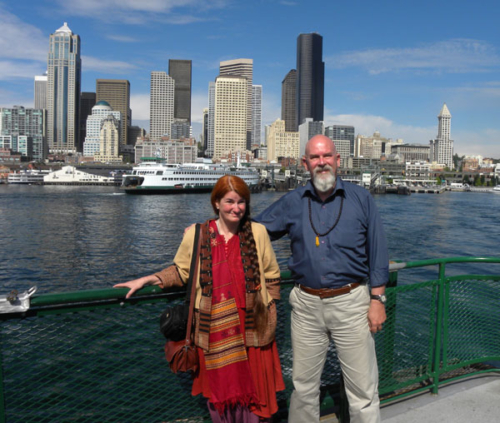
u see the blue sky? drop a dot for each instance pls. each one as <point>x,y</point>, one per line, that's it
<point>390,65</point>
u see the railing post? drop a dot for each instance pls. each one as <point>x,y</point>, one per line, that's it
<point>2,395</point>
<point>389,330</point>
<point>439,330</point>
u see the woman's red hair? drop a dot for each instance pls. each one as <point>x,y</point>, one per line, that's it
<point>229,183</point>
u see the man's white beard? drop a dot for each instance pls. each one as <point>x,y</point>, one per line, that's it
<point>324,182</point>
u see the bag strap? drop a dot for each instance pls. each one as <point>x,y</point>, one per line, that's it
<point>191,288</point>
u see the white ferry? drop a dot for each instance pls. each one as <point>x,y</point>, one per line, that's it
<point>154,176</point>
<point>27,177</point>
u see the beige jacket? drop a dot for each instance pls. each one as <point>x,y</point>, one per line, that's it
<point>269,270</point>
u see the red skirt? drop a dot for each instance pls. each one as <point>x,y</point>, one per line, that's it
<point>266,374</point>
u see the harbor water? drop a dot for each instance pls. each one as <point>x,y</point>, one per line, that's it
<point>64,238</point>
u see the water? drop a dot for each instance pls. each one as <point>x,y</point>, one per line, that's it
<point>70,238</point>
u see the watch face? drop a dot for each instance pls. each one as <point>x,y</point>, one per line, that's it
<point>382,298</point>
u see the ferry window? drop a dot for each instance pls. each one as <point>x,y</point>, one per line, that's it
<point>159,172</point>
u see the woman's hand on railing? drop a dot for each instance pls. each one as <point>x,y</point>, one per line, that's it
<point>136,284</point>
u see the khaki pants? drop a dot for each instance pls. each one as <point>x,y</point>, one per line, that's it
<point>343,319</point>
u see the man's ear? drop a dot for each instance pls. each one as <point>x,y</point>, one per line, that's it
<point>304,162</point>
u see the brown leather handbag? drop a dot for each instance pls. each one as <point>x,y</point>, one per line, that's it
<point>182,355</point>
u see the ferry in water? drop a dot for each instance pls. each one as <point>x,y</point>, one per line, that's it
<point>154,176</point>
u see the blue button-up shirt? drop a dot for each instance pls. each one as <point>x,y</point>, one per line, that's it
<point>355,250</point>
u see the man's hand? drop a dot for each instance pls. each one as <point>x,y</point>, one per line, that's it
<point>376,316</point>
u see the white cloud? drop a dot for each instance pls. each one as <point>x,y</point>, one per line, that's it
<point>10,70</point>
<point>109,66</point>
<point>141,11</point>
<point>122,38</point>
<point>139,103</point>
<point>452,56</point>
<point>19,40</point>
<point>484,142</point>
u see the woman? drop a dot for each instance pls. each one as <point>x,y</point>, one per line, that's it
<point>239,370</point>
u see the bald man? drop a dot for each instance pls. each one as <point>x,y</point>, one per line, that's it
<point>340,264</point>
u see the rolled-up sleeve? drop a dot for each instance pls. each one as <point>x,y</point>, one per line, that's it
<point>376,246</point>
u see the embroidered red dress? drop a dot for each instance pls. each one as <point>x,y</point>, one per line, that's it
<point>259,376</point>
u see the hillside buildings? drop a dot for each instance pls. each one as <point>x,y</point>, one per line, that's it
<point>63,91</point>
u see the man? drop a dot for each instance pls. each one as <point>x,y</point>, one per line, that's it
<point>338,247</point>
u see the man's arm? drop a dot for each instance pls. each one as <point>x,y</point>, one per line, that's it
<point>378,258</point>
<point>274,219</point>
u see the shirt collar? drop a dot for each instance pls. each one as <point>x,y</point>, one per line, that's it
<point>309,189</point>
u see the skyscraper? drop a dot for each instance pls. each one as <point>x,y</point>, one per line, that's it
<point>288,101</point>
<point>205,129</point>
<point>231,109</point>
<point>256,115</point>
<point>63,91</point>
<point>310,78</point>
<point>40,91</point>
<point>117,93</point>
<point>242,67</point>
<point>209,152</point>
<point>442,147</point>
<point>161,104</point>
<point>180,70</point>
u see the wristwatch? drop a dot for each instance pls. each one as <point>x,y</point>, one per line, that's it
<point>382,298</point>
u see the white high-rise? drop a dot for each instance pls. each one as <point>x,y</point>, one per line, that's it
<point>231,110</point>
<point>242,67</point>
<point>256,114</point>
<point>161,105</point>
<point>63,91</point>
<point>442,147</point>
<point>211,120</point>
<point>40,91</point>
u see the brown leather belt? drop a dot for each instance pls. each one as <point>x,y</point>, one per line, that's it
<point>329,292</point>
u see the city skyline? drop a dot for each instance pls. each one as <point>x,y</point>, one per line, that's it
<point>388,68</point>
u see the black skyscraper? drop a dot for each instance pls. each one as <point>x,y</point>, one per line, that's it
<point>288,101</point>
<point>180,71</point>
<point>310,77</point>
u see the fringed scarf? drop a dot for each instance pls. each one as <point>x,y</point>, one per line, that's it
<point>226,361</point>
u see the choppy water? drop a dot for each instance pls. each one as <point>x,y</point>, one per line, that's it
<point>69,238</point>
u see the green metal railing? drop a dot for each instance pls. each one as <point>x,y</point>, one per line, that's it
<point>90,356</point>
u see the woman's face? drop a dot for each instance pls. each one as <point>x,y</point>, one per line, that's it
<point>231,207</point>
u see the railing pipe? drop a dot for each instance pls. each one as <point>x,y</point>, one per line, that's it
<point>439,329</point>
